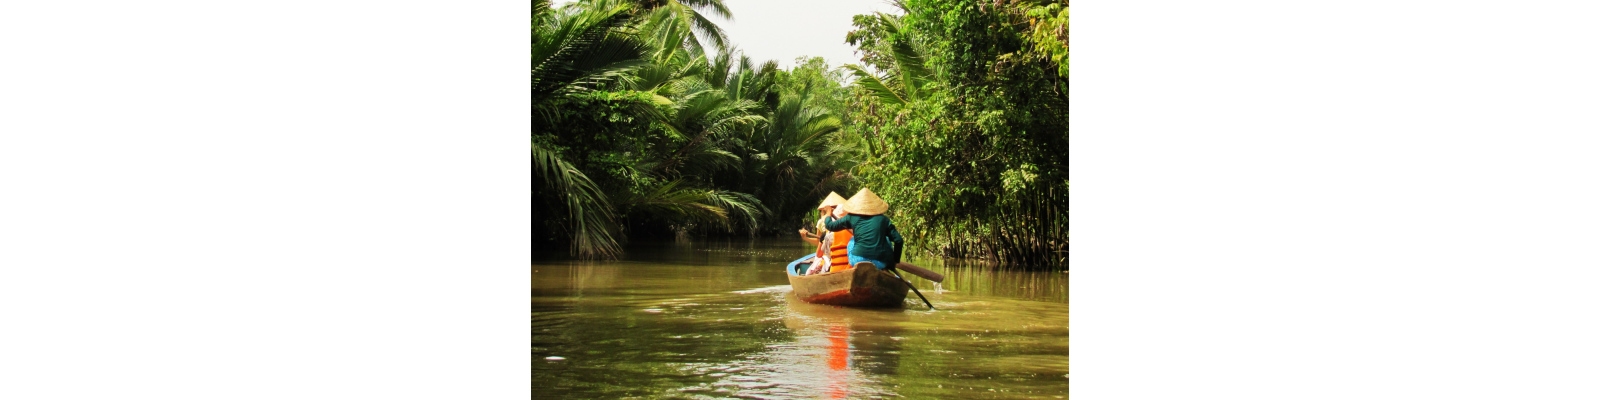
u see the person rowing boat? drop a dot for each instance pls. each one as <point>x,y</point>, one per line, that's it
<point>874,240</point>
<point>832,247</point>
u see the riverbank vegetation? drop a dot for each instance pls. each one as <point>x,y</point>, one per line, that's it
<point>648,122</point>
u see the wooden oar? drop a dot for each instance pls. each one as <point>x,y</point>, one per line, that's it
<point>913,287</point>
<point>919,271</point>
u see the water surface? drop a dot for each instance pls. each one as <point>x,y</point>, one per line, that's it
<point>716,319</point>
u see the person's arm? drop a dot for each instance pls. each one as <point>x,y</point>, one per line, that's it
<point>806,236</point>
<point>897,243</point>
<point>838,224</point>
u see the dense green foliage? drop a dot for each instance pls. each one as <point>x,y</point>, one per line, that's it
<point>638,129</point>
<point>967,126</point>
<point>957,116</point>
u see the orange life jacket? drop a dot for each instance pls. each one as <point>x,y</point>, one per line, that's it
<point>840,251</point>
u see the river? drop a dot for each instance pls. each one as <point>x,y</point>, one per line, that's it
<point>715,319</point>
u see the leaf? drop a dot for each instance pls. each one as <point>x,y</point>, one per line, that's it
<point>875,86</point>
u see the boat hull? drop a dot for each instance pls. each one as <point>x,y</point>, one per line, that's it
<point>855,287</point>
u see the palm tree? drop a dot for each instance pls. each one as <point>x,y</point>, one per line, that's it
<point>707,139</point>
<point>747,82</point>
<point>671,61</point>
<point>577,49</point>
<point>793,146</point>
<point>689,15</point>
<point>581,47</point>
<point>599,46</point>
<point>908,78</point>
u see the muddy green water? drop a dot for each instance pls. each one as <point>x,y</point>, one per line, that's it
<point>716,319</point>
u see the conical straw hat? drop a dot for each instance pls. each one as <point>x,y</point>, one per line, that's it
<point>866,203</point>
<point>833,199</point>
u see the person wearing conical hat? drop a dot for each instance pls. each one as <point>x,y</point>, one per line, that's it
<point>831,246</point>
<point>875,239</point>
<point>833,199</point>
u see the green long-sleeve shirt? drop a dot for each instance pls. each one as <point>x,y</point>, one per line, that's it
<point>872,234</point>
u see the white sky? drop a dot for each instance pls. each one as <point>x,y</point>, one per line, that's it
<point>783,30</point>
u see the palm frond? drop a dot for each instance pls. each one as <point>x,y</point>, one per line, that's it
<point>743,209</point>
<point>720,69</point>
<point>669,201</point>
<point>715,6</point>
<point>874,86</point>
<point>540,9</point>
<point>580,48</point>
<point>707,29</point>
<point>907,53</point>
<point>589,220</point>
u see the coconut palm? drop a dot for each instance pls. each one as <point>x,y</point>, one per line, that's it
<point>708,116</point>
<point>747,82</point>
<point>581,47</point>
<point>689,14</point>
<point>671,60</point>
<point>620,47</point>
<point>707,139</point>
<point>792,148</point>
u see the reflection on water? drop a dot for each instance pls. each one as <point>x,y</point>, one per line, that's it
<point>717,320</point>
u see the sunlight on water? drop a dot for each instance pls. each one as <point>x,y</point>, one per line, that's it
<point>769,289</point>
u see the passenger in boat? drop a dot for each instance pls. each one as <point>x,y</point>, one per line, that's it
<point>874,239</point>
<point>832,247</point>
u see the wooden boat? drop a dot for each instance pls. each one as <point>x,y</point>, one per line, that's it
<point>856,287</point>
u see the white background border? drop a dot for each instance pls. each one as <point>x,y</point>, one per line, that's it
<point>1309,200</point>
<point>281,200</point>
